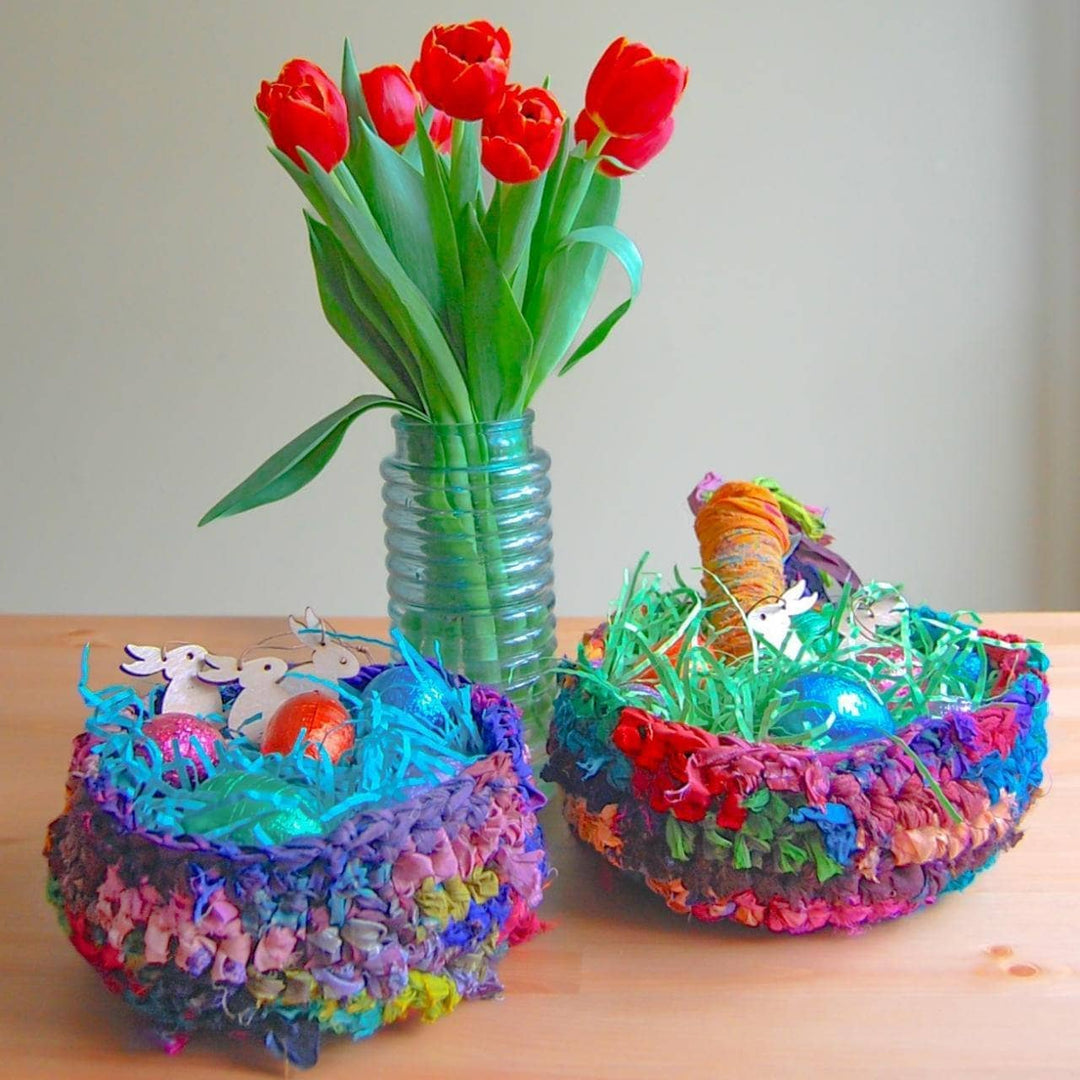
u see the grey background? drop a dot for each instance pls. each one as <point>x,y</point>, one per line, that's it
<point>861,255</point>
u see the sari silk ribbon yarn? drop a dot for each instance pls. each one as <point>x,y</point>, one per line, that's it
<point>422,863</point>
<point>792,838</point>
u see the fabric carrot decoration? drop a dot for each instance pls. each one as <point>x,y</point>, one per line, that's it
<point>743,538</point>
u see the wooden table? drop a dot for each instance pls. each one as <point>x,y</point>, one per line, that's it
<point>985,983</point>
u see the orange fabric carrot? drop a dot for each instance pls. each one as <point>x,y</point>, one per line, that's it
<point>743,539</point>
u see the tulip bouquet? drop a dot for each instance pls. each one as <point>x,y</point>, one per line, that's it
<point>458,228</point>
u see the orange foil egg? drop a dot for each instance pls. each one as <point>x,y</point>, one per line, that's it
<point>324,720</point>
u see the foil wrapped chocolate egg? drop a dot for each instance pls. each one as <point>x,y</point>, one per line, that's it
<point>254,809</point>
<point>848,710</point>
<point>428,697</point>
<point>323,720</point>
<point>181,733</point>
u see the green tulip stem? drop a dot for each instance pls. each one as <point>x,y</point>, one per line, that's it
<point>573,187</point>
<point>596,147</point>
<point>467,605</point>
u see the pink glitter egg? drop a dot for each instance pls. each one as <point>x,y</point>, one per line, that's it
<point>180,731</point>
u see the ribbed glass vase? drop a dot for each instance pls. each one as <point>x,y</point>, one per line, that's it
<point>468,539</point>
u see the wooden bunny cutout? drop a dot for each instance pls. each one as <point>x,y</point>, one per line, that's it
<point>772,622</point>
<point>330,658</point>
<point>873,611</point>
<point>182,665</point>
<point>261,690</point>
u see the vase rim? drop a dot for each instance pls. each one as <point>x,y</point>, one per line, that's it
<point>403,422</point>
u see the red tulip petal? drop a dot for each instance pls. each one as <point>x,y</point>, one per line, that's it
<point>502,45</point>
<point>632,154</point>
<point>392,101</point>
<point>462,68</point>
<point>507,161</point>
<point>585,129</point>
<point>602,75</point>
<point>541,143</point>
<point>472,91</point>
<point>646,98</point>
<point>297,123</point>
<point>632,90</point>
<point>294,71</point>
<point>610,78</point>
<point>264,97</point>
<point>441,129</point>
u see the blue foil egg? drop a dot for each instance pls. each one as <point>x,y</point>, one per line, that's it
<point>428,698</point>
<point>852,711</point>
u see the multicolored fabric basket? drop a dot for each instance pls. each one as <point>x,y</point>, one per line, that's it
<point>403,906</point>
<point>845,772</point>
<point>795,839</point>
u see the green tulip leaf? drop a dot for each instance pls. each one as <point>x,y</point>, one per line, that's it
<point>302,180</point>
<point>519,282</point>
<point>517,208</point>
<point>552,180</point>
<point>445,236</point>
<point>359,321</point>
<point>620,245</point>
<point>489,220</point>
<point>352,91</point>
<point>396,193</point>
<point>497,338</point>
<point>567,283</point>
<point>350,217</point>
<point>300,461</point>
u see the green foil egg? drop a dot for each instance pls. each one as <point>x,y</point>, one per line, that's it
<point>254,810</point>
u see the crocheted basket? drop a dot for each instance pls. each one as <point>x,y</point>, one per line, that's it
<point>403,907</point>
<point>794,838</point>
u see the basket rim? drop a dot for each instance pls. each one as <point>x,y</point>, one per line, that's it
<point>508,739</point>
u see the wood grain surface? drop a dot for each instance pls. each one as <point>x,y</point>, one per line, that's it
<point>983,984</point>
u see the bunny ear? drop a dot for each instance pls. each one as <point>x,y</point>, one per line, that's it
<point>793,600</point>
<point>794,593</point>
<point>147,660</point>
<point>802,604</point>
<point>305,630</point>
<point>219,669</point>
<point>314,622</point>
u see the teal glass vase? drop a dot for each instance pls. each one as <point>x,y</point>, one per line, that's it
<point>468,537</point>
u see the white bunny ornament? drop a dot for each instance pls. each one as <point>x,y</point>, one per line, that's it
<point>261,690</point>
<point>330,658</point>
<point>181,665</point>
<point>873,610</point>
<point>772,622</point>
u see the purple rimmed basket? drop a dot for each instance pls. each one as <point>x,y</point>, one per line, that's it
<point>401,909</point>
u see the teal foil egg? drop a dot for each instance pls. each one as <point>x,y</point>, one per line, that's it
<point>852,711</point>
<point>252,809</point>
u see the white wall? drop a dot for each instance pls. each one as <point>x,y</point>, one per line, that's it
<point>851,257</point>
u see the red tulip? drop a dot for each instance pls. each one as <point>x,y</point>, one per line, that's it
<point>632,90</point>
<point>631,154</point>
<point>392,101</point>
<point>306,110</point>
<point>462,68</point>
<point>521,138</point>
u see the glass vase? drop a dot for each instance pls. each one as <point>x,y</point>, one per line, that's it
<point>468,538</point>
